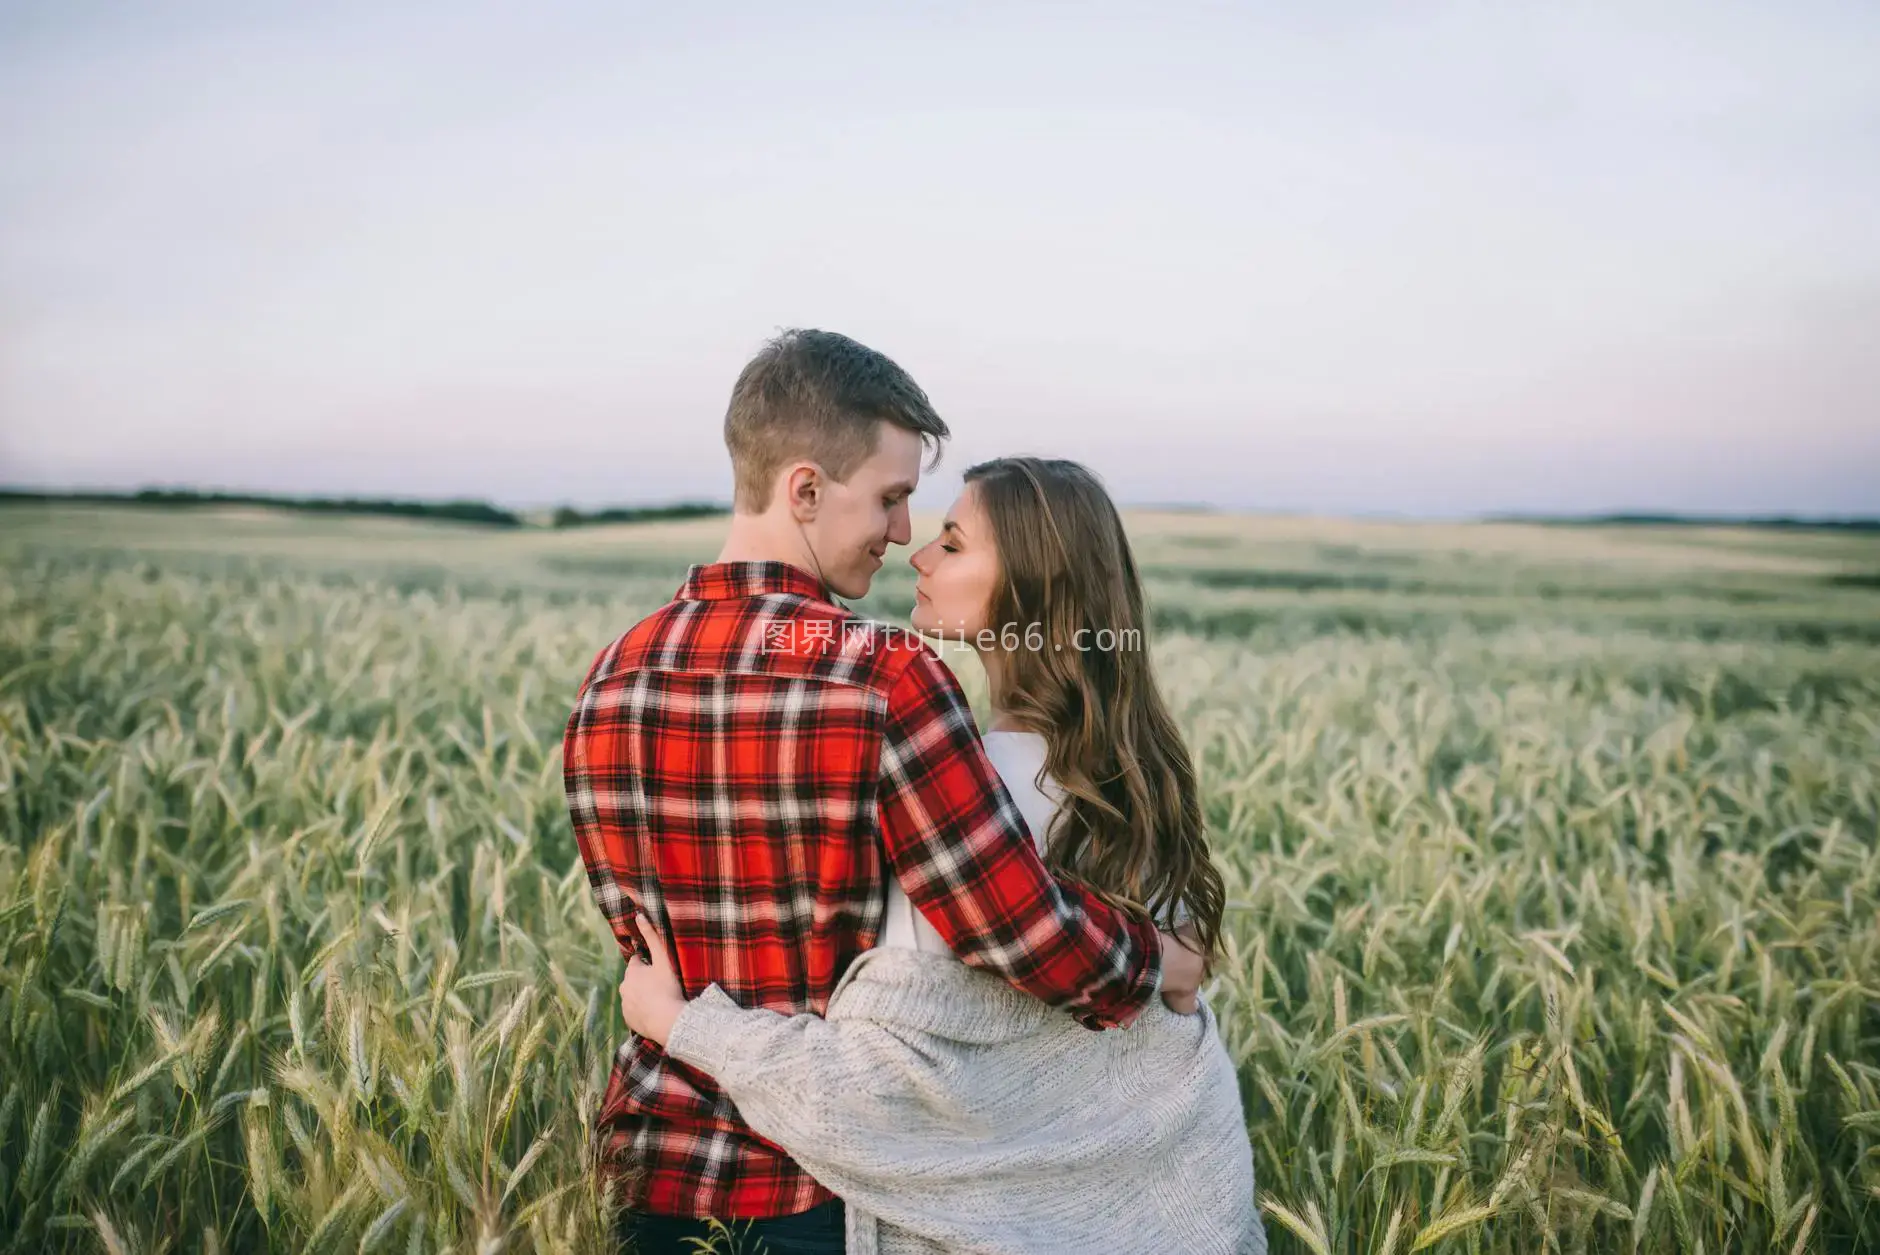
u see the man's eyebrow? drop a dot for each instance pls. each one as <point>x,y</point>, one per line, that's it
<point>904,487</point>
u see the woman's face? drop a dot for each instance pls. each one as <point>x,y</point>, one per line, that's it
<point>959,569</point>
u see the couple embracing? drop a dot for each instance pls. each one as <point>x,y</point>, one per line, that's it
<point>894,986</point>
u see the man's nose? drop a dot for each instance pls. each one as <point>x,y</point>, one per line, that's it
<point>900,528</point>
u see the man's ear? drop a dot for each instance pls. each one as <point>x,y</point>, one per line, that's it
<point>803,489</point>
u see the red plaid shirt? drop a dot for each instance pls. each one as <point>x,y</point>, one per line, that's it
<point>748,765</point>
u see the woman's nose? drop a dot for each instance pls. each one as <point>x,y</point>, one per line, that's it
<point>918,559</point>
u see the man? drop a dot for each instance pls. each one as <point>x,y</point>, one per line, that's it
<point>750,763</point>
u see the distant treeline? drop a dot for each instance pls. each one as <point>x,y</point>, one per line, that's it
<point>480,512</point>
<point>566,517</point>
<point>452,511</point>
<point>1781,522</point>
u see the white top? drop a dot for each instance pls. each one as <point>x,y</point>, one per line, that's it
<point>1018,757</point>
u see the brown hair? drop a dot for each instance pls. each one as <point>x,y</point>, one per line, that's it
<point>821,396</point>
<point>1130,824</point>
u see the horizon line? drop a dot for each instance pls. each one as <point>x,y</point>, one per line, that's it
<point>1635,515</point>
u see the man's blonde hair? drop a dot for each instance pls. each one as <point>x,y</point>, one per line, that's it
<point>821,397</point>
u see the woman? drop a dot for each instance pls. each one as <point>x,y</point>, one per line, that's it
<point>950,1111</point>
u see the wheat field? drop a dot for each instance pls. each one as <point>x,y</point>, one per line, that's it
<point>1552,858</point>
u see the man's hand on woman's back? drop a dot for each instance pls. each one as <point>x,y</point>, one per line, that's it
<point>1184,967</point>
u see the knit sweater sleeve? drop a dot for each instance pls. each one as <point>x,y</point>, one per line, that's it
<point>815,1088</point>
<point>780,1070</point>
<point>951,1112</point>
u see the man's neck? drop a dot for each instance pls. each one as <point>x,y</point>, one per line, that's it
<point>754,538</point>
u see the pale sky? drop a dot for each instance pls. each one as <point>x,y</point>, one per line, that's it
<point>1399,259</point>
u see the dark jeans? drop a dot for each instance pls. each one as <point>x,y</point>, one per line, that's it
<point>817,1231</point>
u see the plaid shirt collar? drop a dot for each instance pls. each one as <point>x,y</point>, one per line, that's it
<point>728,581</point>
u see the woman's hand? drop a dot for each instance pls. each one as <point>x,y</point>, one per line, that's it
<point>651,997</point>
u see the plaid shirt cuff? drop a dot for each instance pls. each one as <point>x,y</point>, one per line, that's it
<point>1146,990</point>
<point>703,1034</point>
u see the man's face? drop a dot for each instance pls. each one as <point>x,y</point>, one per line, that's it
<point>857,521</point>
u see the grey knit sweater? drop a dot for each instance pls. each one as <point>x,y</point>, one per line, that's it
<point>951,1112</point>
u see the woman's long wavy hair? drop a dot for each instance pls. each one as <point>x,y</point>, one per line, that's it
<point>1130,823</point>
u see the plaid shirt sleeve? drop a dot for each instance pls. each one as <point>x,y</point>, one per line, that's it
<point>604,853</point>
<point>962,852</point>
